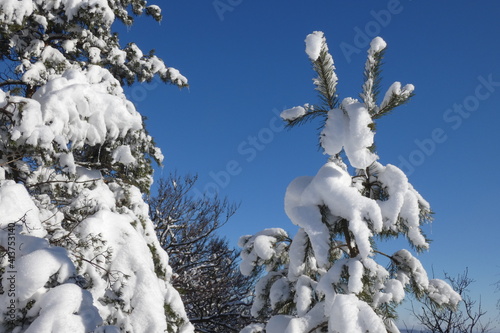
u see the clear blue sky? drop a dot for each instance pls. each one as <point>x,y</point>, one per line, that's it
<point>246,61</point>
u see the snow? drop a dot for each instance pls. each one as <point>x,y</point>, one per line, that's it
<point>396,185</point>
<point>253,328</point>
<point>356,271</point>
<point>265,249</point>
<point>261,286</point>
<point>35,263</point>
<point>73,110</point>
<point>83,254</point>
<point>16,207</point>
<point>297,255</point>
<point>376,45</point>
<point>279,292</point>
<point>306,323</point>
<point>49,54</point>
<point>307,216</point>
<point>122,154</point>
<point>40,60</point>
<point>67,161</point>
<point>293,113</point>
<point>396,90</point>
<point>314,43</point>
<point>329,266</point>
<point>15,10</point>
<point>263,246</point>
<point>278,323</point>
<point>69,45</point>
<point>304,294</point>
<point>174,75</point>
<point>331,186</point>
<point>65,308</point>
<point>348,128</point>
<point>132,273</point>
<point>442,293</point>
<point>32,276</point>
<point>411,268</point>
<point>134,269</point>
<point>349,314</point>
<point>155,9</point>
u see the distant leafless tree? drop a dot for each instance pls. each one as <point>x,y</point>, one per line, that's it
<point>216,295</point>
<point>468,318</point>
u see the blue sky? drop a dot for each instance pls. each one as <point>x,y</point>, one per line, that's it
<point>245,62</point>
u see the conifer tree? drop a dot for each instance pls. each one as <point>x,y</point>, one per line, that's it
<point>78,250</point>
<point>327,278</point>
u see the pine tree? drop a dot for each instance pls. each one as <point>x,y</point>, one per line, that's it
<point>327,278</point>
<point>78,250</point>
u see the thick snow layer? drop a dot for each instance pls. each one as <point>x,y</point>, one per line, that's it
<point>16,10</point>
<point>442,293</point>
<point>38,267</point>
<point>279,292</point>
<point>349,314</point>
<point>312,319</point>
<point>376,45</point>
<point>327,274</point>
<point>331,187</point>
<point>135,278</point>
<point>122,154</point>
<point>17,207</point>
<point>109,242</point>
<point>314,42</point>
<point>33,265</point>
<point>403,205</point>
<point>348,128</point>
<point>130,269</point>
<point>297,254</point>
<point>76,109</point>
<point>411,268</point>
<point>304,294</point>
<point>263,246</point>
<point>65,308</point>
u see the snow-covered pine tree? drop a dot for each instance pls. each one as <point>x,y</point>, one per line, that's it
<point>78,250</point>
<point>327,278</point>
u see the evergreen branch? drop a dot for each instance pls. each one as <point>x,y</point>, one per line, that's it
<point>309,116</point>
<point>326,82</point>
<point>12,82</point>
<point>386,255</point>
<point>63,182</point>
<point>393,102</point>
<point>11,161</point>
<point>372,76</point>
